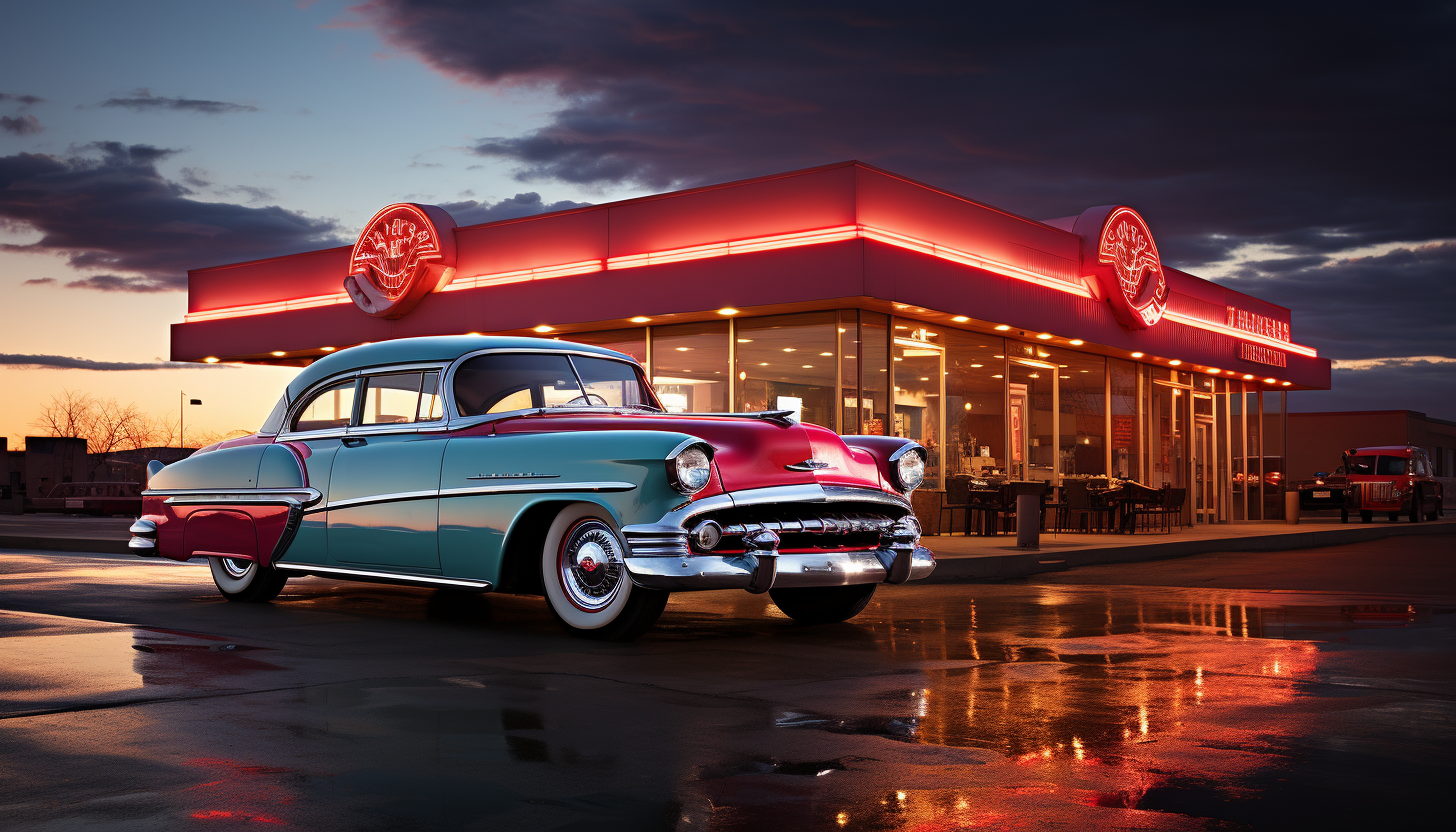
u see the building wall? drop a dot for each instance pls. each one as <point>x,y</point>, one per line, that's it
<point>1317,439</point>
<point>12,478</point>
<point>51,460</point>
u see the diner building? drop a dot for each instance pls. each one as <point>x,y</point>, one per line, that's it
<point>856,298</point>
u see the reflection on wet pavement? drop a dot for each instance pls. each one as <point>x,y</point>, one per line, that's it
<point>942,707</point>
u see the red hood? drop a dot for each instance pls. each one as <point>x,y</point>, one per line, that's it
<point>748,453</point>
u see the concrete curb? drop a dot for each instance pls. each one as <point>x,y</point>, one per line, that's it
<point>956,569</point>
<point>98,545</point>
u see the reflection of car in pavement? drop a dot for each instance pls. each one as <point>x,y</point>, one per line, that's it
<point>1323,490</point>
<point>103,498</point>
<point>1394,480</point>
<point>541,467</point>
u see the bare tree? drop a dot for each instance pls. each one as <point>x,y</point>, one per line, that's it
<point>70,413</point>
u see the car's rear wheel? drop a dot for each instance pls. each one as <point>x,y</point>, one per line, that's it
<point>823,604</point>
<point>244,580</point>
<point>586,582</point>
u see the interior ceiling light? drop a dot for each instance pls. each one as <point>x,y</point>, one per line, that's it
<point>960,319</point>
<point>808,366</point>
<point>1045,336</point>
<point>791,349</point>
<point>977,366</point>
<point>1174,363</point>
<point>544,328</point>
<point>727,310</point>
<point>683,349</point>
<point>743,375</point>
<point>745,340</point>
<point>1002,328</point>
<point>998,376</point>
<point>827,353</point>
<point>641,319</point>
<point>763,363</point>
<point>1137,355</point>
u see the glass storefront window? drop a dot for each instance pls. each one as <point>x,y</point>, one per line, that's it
<point>1126,444</point>
<point>918,375</point>
<point>1032,383</point>
<point>787,362</point>
<point>1167,430</point>
<point>690,367</point>
<point>874,382</point>
<point>1082,399</point>
<point>633,342</point>
<point>1272,417</point>
<point>975,392</point>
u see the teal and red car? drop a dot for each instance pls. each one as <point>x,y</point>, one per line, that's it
<point>543,467</point>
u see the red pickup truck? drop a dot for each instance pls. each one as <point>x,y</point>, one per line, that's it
<point>1393,480</point>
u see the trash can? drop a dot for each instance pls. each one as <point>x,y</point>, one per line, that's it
<point>1028,513</point>
<point>1291,507</point>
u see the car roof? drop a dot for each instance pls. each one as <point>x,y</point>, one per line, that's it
<point>432,348</point>
<point>1405,449</point>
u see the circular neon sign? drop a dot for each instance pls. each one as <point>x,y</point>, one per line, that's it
<point>405,252</point>
<point>1132,273</point>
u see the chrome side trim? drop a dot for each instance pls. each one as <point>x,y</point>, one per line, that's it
<point>688,443</point>
<point>531,487</point>
<point>398,496</point>
<point>386,577</point>
<point>808,465</point>
<point>522,476</point>
<point>237,496</point>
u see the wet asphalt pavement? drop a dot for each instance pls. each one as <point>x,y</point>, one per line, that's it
<point>1319,693</point>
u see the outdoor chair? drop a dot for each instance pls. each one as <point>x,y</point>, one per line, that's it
<point>956,497</point>
<point>1080,508</point>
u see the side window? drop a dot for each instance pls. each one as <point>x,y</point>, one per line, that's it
<point>502,382</point>
<point>331,407</point>
<point>432,404</point>
<point>391,399</point>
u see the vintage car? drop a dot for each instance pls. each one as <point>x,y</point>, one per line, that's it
<point>1325,490</point>
<point>538,467</point>
<point>102,498</point>
<point>1392,480</point>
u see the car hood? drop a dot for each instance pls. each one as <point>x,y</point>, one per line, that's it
<point>747,452</point>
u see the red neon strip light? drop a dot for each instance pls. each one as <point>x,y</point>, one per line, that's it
<point>775,241</point>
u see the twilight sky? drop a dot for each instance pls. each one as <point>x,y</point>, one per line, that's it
<point>1301,152</point>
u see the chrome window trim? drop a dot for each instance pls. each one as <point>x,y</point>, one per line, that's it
<point>286,435</point>
<point>448,380</point>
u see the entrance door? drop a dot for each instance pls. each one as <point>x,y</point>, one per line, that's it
<point>1018,465</point>
<point>919,400</point>
<point>1205,496</point>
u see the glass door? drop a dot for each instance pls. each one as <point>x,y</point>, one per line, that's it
<point>1034,386</point>
<point>1205,501</point>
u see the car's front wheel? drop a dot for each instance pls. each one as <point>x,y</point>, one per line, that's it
<point>244,580</point>
<point>823,604</point>
<point>586,582</point>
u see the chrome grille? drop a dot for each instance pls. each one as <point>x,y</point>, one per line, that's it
<point>1379,492</point>
<point>662,541</point>
<point>802,527</point>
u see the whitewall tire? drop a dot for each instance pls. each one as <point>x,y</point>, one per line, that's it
<point>244,580</point>
<point>586,582</point>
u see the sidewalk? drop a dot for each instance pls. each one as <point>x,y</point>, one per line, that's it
<point>958,558</point>
<point>974,558</point>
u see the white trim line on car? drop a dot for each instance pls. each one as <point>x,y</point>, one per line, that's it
<point>389,576</point>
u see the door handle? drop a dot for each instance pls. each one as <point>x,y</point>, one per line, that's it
<point>355,441</point>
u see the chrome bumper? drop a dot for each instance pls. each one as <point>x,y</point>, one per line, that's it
<point>763,571</point>
<point>143,538</point>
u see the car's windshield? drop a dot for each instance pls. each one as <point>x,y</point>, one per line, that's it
<point>1378,465</point>
<point>505,382</point>
<point>612,383</point>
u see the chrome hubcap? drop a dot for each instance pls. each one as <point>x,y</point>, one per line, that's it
<point>591,565</point>
<point>236,568</point>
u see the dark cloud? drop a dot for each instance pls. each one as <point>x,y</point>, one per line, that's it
<point>109,209</point>
<point>39,281</point>
<point>1421,385</point>
<point>20,125</point>
<point>143,100</point>
<point>22,99</point>
<point>63,362</point>
<point>472,212</point>
<point>1392,305</point>
<point>1316,128</point>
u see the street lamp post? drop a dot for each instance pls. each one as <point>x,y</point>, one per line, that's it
<point>182,403</point>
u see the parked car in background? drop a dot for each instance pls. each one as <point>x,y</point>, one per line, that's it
<point>1325,490</point>
<point>100,498</point>
<point>538,467</point>
<point>1393,480</point>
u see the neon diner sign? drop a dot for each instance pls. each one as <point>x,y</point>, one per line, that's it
<point>1256,324</point>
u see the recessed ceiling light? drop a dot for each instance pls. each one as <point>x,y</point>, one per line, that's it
<point>808,366</point>
<point>830,354</point>
<point>211,359</point>
<point>1248,376</point>
<point>960,319</point>
<point>641,319</point>
<point>1269,380</point>
<point>683,349</point>
<point>977,366</point>
<point>1284,383</point>
<point>727,310</point>
<point>763,363</point>
<point>278,353</point>
<point>1213,371</point>
<point>331,349</point>
<point>544,328</point>
<point>998,375</point>
<point>1044,336</point>
<point>745,340</point>
<point>742,376</point>
<point>1137,355</point>
<point>925,378</point>
<point>1002,328</point>
<point>791,349</point>
<point>968,405</point>
<point>1076,342</point>
<point>1174,363</point>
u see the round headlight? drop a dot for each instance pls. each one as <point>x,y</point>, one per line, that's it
<point>691,470</point>
<point>910,470</point>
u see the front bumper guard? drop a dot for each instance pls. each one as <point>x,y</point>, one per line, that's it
<point>761,566</point>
